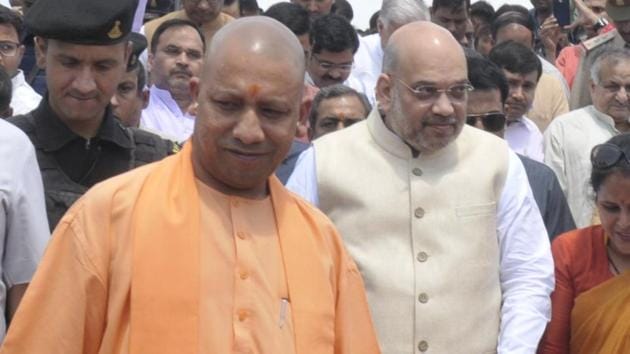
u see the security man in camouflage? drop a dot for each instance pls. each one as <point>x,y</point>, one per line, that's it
<point>84,48</point>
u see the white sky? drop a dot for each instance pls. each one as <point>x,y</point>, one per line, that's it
<point>363,9</point>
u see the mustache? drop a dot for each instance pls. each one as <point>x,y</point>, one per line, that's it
<point>186,72</point>
<point>440,121</point>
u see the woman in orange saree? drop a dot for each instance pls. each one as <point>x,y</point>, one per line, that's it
<point>591,302</point>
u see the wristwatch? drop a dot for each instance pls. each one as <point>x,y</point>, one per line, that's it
<point>601,23</point>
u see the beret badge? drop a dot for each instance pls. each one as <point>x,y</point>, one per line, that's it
<point>115,32</point>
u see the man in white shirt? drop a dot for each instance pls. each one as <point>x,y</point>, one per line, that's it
<point>368,61</point>
<point>23,223</point>
<point>570,137</point>
<point>450,242</point>
<point>24,98</point>
<point>522,70</point>
<point>177,48</point>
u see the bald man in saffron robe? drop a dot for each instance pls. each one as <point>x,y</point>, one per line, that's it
<point>205,252</point>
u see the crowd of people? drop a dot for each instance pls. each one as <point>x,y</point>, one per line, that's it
<point>220,178</point>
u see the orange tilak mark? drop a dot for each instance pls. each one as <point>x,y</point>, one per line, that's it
<point>253,90</point>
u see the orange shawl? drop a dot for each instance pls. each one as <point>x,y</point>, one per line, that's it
<point>166,275</point>
<point>601,318</point>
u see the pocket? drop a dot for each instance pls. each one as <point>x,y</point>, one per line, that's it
<point>472,210</point>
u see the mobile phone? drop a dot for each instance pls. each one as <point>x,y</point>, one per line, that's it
<point>562,12</point>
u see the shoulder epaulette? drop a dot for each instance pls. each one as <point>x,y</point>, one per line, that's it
<point>597,41</point>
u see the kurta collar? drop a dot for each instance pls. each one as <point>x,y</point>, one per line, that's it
<point>53,133</point>
<point>165,97</point>
<point>18,80</point>
<point>602,118</point>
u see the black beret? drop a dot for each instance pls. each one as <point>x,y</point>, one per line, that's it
<point>90,22</point>
<point>138,45</point>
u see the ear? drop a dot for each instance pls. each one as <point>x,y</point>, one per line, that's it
<point>150,59</point>
<point>301,131</point>
<point>41,48</point>
<point>194,87</point>
<point>380,26</point>
<point>20,53</point>
<point>384,92</point>
<point>146,98</point>
<point>592,88</point>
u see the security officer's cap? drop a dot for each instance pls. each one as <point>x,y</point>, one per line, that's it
<point>618,10</point>
<point>89,22</point>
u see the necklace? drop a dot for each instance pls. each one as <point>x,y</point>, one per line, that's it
<point>611,263</point>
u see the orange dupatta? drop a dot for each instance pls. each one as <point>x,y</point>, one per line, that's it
<point>600,320</point>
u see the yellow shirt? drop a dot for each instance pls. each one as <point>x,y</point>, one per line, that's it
<point>143,264</point>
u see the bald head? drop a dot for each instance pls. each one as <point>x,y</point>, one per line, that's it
<point>406,42</point>
<point>424,85</point>
<point>254,39</point>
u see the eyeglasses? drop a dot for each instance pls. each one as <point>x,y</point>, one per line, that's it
<point>8,49</point>
<point>492,122</point>
<point>605,156</point>
<point>326,65</point>
<point>427,93</point>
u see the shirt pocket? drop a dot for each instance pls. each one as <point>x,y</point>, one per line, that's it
<point>476,210</point>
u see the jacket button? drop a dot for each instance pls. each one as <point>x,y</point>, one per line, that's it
<point>423,298</point>
<point>419,213</point>
<point>422,257</point>
<point>423,346</point>
<point>416,171</point>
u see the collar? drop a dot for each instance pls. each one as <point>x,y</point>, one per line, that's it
<point>53,133</point>
<point>165,97</point>
<point>18,80</point>
<point>603,118</point>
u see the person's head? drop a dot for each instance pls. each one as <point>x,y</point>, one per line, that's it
<point>11,49</point>
<point>315,8</point>
<point>131,97</point>
<point>202,11</point>
<point>610,179</point>
<point>489,96</point>
<point>423,90</point>
<point>296,18</point>
<point>483,40</point>
<point>452,15</point>
<point>6,92</point>
<point>481,13</point>
<point>599,8</point>
<point>513,26</point>
<point>336,107</point>
<point>397,13</point>
<point>232,8</point>
<point>84,48</point>
<point>334,42</point>
<point>610,85</point>
<point>249,8</point>
<point>543,6</point>
<point>344,9</point>
<point>177,49</point>
<point>619,12</point>
<point>249,99</point>
<point>523,69</point>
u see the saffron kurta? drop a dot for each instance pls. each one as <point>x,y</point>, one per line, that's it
<point>150,262</point>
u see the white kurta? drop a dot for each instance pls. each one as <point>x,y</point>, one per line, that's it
<point>163,115</point>
<point>24,99</point>
<point>569,140</point>
<point>525,138</point>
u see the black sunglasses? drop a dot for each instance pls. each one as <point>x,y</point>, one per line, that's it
<point>492,122</point>
<point>605,156</point>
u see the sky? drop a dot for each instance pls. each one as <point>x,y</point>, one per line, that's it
<point>363,9</point>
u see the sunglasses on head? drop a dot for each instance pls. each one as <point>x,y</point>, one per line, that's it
<point>492,122</point>
<point>605,156</point>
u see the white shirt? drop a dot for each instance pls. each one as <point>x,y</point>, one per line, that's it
<point>569,140</point>
<point>24,99</point>
<point>526,265</point>
<point>164,115</point>
<point>368,65</point>
<point>524,137</point>
<point>5,3</point>
<point>24,229</point>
